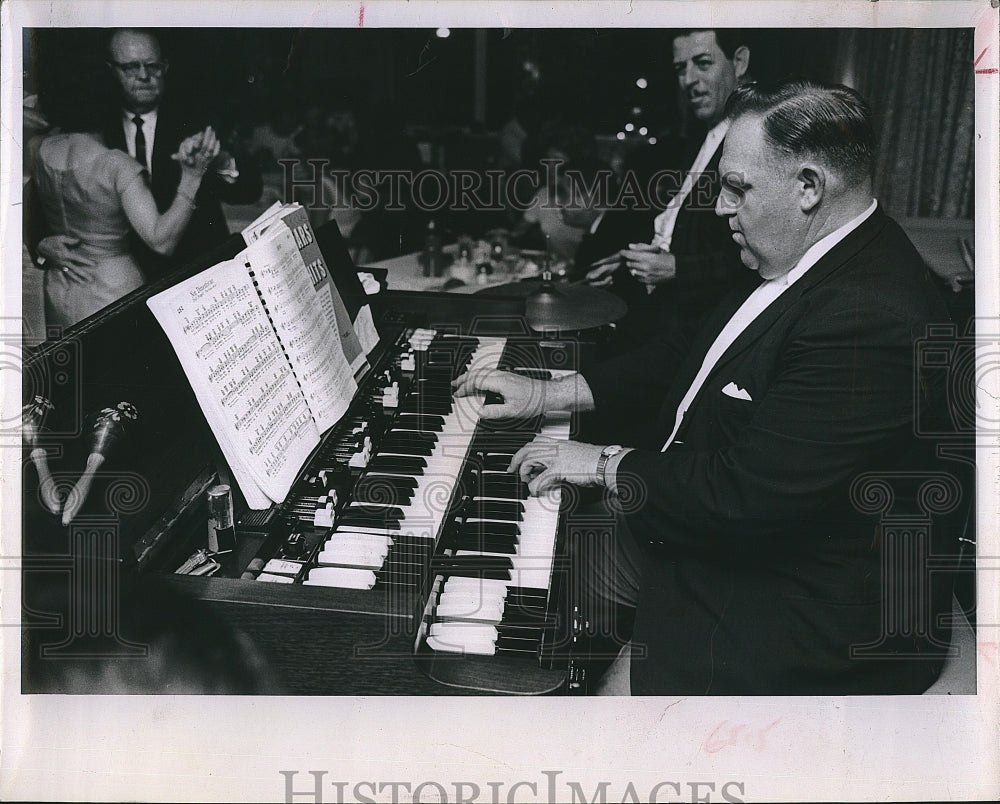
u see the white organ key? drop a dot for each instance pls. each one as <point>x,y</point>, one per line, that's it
<point>457,610</point>
<point>340,576</point>
<point>353,556</point>
<point>424,515</point>
<point>463,585</point>
<point>478,648</point>
<point>464,633</point>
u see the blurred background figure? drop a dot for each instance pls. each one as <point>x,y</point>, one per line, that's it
<point>542,226</point>
<point>95,198</point>
<point>148,124</point>
<point>32,280</point>
<point>588,190</point>
<point>162,643</point>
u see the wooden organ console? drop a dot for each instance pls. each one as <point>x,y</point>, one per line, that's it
<point>404,561</point>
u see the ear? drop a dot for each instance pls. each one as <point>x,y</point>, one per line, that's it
<point>811,181</point>
<point>741,61</point>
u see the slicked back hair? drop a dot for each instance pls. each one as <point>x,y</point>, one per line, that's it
<point>830,122</point>
<point>729,39</point>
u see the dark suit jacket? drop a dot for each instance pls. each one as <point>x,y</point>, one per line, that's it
<point>760,569</point>
<point>207,227</point>
<point>707,261</point>
<point>617,229</point>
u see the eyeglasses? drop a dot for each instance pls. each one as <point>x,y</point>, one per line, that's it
<point>133,69</point>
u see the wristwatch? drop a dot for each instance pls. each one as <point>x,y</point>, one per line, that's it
<point>602,463</point>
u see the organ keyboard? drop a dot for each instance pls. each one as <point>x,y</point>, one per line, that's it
<point>405,560</point>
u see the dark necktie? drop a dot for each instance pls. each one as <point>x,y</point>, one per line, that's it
<point>140,142</point>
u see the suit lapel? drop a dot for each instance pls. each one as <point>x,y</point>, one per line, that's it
<point>114,131</point>
<point>706,186</point>
<point>832,260</point>
<point>700,345</point>
<point>826,265</point>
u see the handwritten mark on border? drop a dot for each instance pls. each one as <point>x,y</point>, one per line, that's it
<point>984,70</point>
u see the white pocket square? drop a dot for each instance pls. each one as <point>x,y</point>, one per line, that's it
<point>736,392</point>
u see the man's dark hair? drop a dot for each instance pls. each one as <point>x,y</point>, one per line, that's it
<point>807,118</point>
<point>728,39</point>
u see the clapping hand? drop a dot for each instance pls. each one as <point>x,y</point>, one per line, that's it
<point>197,152</point>
<point>649,264</point>
<point>602,271</point>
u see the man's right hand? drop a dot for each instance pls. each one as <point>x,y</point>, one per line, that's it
<point>602,271</point>
<point>62,251</point>
<point>523,397</point>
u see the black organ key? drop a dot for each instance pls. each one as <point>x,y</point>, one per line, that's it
<point>508,486</point>
<point>414,436</point>
<point>485,544</point>
<point>491,528</point>
<point>496,461</point>
<point>383,494</point>
<point>398,480</point>
<point>410,465</point>
<point>404,447</point>
<point>467,570</point>
<point>418,421</point>
<point>374,483</point>
<point>372,519</point>
<point>500,441</point>
<point>509,511</point>
<point>425,405</point>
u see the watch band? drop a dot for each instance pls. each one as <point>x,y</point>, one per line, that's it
<point>602,462</point>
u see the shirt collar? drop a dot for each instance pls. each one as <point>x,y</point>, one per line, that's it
<point>148,118</point>
<point>824,245</point>
<point>718,131</point>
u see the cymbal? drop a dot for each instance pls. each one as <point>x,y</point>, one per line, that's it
<point>562,306</point>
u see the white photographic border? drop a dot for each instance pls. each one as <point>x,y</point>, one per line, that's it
<point>200,748</point>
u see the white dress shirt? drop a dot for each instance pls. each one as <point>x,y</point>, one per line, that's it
<point>756,303</point>
<point>148,131</point>
<point>663,226</point>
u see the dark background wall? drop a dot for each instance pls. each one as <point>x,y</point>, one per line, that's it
<point>398,81</point>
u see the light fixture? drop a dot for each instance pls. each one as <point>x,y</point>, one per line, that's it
<point>620,135</point>
<point>629,127</point>
<point>643,131</point>
<point>652,140</point>
<point>641,83</point>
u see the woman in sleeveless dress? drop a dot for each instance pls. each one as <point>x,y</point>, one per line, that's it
<point>100,195</point>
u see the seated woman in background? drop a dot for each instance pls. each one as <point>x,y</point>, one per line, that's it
<point>99,196</point>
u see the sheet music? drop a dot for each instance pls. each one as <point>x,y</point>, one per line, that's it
<point>263,221</point>
<point>241,377</point>
<point>305,322</point>
<point>294,217</point>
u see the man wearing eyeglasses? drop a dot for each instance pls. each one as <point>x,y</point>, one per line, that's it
<point>150,125</point>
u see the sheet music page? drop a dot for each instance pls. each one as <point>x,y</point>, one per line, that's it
<point>306,325</point>
<point>296,219</point>
<point>253,232</point>
<point>241,377</point>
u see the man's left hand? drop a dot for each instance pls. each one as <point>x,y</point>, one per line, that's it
<point>649,264</point>
<point>544,462</point>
